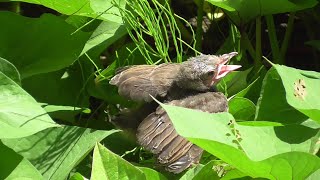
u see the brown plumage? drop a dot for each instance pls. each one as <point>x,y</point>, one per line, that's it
<point>157,134</point>
<point>139,82</point>
<point>189,84</point>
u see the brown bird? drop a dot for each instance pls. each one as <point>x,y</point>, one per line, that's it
<point>189,84</point>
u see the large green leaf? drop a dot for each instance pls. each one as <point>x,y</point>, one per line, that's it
<point>102,9</point>
<point>302,90</point>
<point>20,114</point>
<point>63,87</point>
<point>107,165</point>
<point>14,166</point>
<point>10,70</point>
<point>248,9</point>
<point>53,46</point>
<point>259,151</point>
<point>235,174</point>
<point>55,151</point>
<point>273,105</point>
<point>78,7</point>
<point>290,95</point>
<point>109,30</point>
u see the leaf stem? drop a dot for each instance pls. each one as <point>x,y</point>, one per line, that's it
<point>15,7</point>
<point>273,39</point>
<point>199,30</point>
<point>287,35</point>
<point>258,56</point>
<point>247,44</point>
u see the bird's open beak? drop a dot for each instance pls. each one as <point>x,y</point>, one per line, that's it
<point>222,69</point>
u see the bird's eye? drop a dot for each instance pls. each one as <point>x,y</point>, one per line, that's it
<point>210,73</point>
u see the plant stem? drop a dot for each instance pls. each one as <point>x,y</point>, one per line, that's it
<point>273,39</point>
<point>287,35</point>
<point>258,56</point>
<point>199,30</point>
<point>15,6</point>
<point>247,44</point>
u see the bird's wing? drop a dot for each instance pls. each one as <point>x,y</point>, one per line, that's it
<point>157,134</point>
<point>139,82</point>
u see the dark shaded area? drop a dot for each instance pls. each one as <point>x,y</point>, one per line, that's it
<point>26,9</point>
<point>299,55</point>
<point>295,134</point>
<point>9,161</point>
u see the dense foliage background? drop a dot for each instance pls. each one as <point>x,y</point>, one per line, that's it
<point>57,56</point>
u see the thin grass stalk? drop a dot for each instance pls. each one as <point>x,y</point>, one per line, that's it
<point>155,21</point>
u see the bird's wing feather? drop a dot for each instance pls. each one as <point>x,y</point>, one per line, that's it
<point>139,82</point>
<point>157,134</point>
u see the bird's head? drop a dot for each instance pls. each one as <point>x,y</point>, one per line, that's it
<point>203,72</point>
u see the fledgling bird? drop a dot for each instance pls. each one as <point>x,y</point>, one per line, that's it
<point>189,84</point>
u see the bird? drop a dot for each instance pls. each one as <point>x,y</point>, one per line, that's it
<point>190,84</point>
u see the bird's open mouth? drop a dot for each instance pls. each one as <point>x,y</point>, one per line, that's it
<point>222,69</point>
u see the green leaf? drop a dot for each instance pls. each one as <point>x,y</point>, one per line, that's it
<point>259,151</point>
<point>246,10</point>
<point>242,108</point>
<point>235,174</point>
<point>77,176</point>
<point>192,172</point>
<point>107,10</point>
<point>64,87</point>
<point>65,113</point>
<point>234,82</point>
<point>14,166</point>
<point>107,165</point>
<point>104,35</point>
<point>272,104</point>
<point>65,7</point>
<point>10,70</point>
<point>92,8</point>
<point>314,43</point>
<point>302,90</point>
<point>56,151</point>
<point>152,174</point>
<point>201,172</point>
<point>314,176</point>
<point>20,114</point>
<point>53,46</point>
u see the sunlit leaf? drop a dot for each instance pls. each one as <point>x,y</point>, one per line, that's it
<point>56,151</point>
<point>107,165</point>
<point>259,151</point>
<point>20,114</point>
